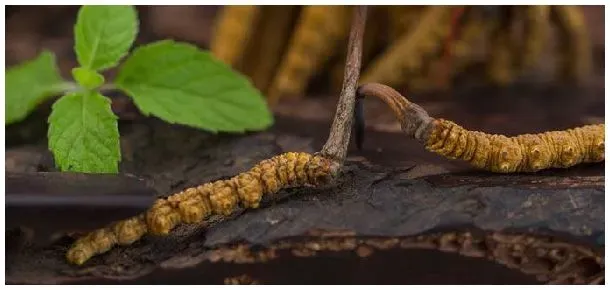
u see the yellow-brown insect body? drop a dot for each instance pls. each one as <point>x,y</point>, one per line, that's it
<point>233,27</point>
<point>320,30</point>
<point>438,74</point>
<point>523,153</point>
<point>503,50</point>
<point>269,41</point>
<point>122,233</point>
<point>536,34</point>
<point>575,45</point>
<point>409,53</point>
<point>222,197</point>
<point>245,190</point>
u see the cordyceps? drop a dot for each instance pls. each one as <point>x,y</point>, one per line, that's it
<point>233,29</point>
<point>407,56</point>
<point>405,46</point>
<point>575,46</point>
<point>495,153</point>
<point>221,197</point>
<point>319,31</point>
<point>247,189</point>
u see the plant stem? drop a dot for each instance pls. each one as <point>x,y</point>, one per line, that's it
<point>338,140</point>
<point>72,87</point>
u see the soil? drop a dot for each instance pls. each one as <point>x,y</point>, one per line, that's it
<point>391,191</point>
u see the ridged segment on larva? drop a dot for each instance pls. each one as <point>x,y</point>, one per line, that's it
<point>233,26</point>
<point>319,31</point>
<point>124,232</point>
<point>246,190</point>
<point>523,153</point>
<point>221,197</point>
<point>409,53</point>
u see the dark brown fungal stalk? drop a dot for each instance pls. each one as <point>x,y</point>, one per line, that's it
<point>338,140</point>
<point>245,190</point>
<point>495,153</point>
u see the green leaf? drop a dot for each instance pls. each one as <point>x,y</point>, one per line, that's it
<point>83,134</point>
<point>87,78</point>
<point>181,84</point>
<point>104,34</point>
<point>28,84</point>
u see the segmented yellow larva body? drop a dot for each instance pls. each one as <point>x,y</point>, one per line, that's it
<point>221,197</point>
<point>523,153</point>
<point>408,54</point>
<point>263,55</point>
<point>537,31</point>
<point>233,26</point>
<point>124,232</point>
<point>495,153</point>
<point>575,45</point>
<point>320,30</point>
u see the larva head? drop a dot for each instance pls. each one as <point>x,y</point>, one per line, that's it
<point>321,170</point>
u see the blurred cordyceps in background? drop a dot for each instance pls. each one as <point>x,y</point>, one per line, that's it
<point>283,49</point>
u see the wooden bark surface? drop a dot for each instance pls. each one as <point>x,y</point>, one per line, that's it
<point>370,204</point>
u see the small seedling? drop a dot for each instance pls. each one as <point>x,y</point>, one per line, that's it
<point>176,82</point>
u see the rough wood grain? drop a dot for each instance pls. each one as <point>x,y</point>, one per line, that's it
<point>371,201</point>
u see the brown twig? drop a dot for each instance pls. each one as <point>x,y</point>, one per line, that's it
<point>338,140</point>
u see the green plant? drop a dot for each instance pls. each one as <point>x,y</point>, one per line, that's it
<point>173,81</point>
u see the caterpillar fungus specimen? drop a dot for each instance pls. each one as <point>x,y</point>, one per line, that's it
<point>503,49</point>
<point>537,30</point>
<point>318,33</point>
<point>407,55</point>
<point>492,152</point>
<point>232,30</point>
<point>222,197</point>
<point>297,44</point>
<point>575,48</point>
<point>246,190</point>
